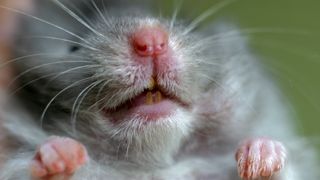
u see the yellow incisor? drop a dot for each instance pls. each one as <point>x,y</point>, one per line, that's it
<point>149,95</point>
<point>158,96</point>
<point>152,84</point>
<point>149,98</point>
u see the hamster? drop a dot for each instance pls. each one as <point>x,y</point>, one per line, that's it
<point>107,90</point>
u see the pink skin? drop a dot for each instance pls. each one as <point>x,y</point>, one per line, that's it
<point>154,111</point>
<point>261,157</point>
<point>137,107</point>
<point>58,157</point>
<point>151,44</point>
<point>150,49</point>
<point>150,41</point>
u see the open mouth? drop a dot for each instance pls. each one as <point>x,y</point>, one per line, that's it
<point>151,104</point>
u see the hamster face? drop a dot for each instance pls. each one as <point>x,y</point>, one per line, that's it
<point>133,89</point>
<point>131,75</point>
<point>142,96</point>
<point>139,81</point>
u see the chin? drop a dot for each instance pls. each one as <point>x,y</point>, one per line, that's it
<point>151,142</point>
<point>175,123</point>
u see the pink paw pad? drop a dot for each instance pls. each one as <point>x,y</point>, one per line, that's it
<point>261,157</point>
<point>59,156</point>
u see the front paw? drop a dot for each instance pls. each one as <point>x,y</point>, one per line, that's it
<point>259,158</point>
<point>58,158</point>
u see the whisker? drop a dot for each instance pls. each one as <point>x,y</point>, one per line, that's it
<point>100,13</point>
<point>293,83</point>
<point>206,62</point>
<point>76,17</point>
<point>62,39</point>
<point>312,56</point>
<point>101,88</point>
<point>58,94</point>
<point>229,88</point>
<point>76,105</point>
<point>249,31</point>
<point>101,100</point>
<point>175,13</point>
<point>38,67</point>
<point>211,11</point>
<point>46,22</point>
<point>106,12</point>
<point>70,70</point>
<point>8,62</point>
<point>94,8</point>
<point>78,11</point>
<point>30,82</point>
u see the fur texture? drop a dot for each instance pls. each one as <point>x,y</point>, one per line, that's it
<point>70,73</point>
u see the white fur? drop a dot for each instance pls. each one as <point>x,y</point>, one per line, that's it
<point>230,99</point>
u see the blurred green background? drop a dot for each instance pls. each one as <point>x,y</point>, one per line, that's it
<point>290,46</point>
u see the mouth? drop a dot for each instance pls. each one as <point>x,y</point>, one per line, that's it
<point>150,105</point>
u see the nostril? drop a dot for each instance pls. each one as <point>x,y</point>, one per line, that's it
<point>161,48</point>
<point>142,48</point>
<point>150,41</point>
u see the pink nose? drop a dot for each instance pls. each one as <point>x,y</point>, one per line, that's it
<point>150,41</point>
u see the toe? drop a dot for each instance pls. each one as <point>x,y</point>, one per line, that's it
<point>73,153</point>
<point>37,169</point>
<point>51,159</point>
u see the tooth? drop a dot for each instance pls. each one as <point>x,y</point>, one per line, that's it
<point>152,83</point>
<point>158,96</point>
<point>149,99</point>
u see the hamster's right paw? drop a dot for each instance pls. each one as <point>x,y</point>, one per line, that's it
<point>260,158</point>
<point>58,157</point>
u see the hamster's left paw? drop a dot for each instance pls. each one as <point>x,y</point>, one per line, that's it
<point>260,157</point>
<point>58,158</point>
